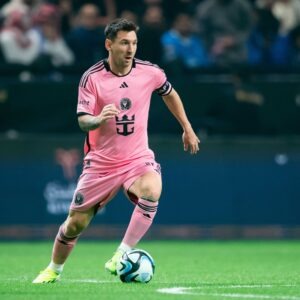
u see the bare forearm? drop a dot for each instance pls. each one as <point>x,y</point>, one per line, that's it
<point>175,105</point>
<point>88,122</point>
<point>189,138</point>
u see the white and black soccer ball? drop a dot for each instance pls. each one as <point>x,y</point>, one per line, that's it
<point>136,265</point>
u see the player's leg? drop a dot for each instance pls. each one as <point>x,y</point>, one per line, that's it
<point>64,242</point>
<point>68,234</point>
<point>147,188</point>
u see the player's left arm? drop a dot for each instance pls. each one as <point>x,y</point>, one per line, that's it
<point>189,138</point>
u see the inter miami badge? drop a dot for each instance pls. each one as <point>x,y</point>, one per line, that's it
<point>125,124</point>
<point>125,103</point>
<point>78,200</point>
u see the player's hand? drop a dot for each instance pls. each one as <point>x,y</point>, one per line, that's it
<point>109,111</point>
<point>190,141</point>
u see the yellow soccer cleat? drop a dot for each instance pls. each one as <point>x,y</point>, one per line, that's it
<point>111,265</point>
<point>47,276</point>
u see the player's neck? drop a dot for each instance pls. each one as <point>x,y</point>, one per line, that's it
<point>117,69</point>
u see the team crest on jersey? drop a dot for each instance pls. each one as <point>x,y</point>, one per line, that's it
<point>125,103</point>
<point>78,200</point>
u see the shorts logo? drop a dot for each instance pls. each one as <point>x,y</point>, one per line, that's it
<point>125,103</point>
<point>78,200</point>
<point>158,169</point>
<point>155,166</point>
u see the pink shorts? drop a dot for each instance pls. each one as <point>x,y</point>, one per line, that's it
<point>96,190</point>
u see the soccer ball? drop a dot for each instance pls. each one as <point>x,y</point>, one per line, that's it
<point>136,265</point>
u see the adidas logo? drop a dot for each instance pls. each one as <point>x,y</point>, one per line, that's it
<point>147,215</point>
<point>123,85</point>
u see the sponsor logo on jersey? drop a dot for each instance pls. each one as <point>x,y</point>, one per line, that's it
<point>123,125</point>
<point>84,102</point>
<point>123,85</point>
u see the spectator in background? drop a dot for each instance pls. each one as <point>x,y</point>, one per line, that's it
<point>13,6</point>
<point>129,15</point>
<point>266,46</point>
<point>107,9</point>
<point>237,107</point>
<point>170,7</point>
<point>136,6</point>
<point>109,6</point>
<point>86,39</point>
<point>178,6</point>
<point>151,30</point>
<point>53,45</point>
<point>295,47</point>
<point>225,26</point>
<point>288,14</point>
<point>67,15</point>
<point>1,26</point>
<point>22,6</point>
<point>20,44</point>
<point>182,49</point>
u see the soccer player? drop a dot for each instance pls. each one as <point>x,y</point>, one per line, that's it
<point>113,106</point>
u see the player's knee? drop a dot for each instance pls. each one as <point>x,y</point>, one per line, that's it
<point>150,193</point>
<point>74,226</point>
<point>72,229</point>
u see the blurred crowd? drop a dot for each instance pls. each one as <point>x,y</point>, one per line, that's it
<point>181,35</point>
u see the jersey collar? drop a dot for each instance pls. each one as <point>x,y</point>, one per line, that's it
<point>107,67</point>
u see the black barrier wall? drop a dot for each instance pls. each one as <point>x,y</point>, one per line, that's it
<point>247,173</point>
<point>219,104</point>
<point>231,181</point>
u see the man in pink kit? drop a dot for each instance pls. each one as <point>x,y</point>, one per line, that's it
<point>113,106</point>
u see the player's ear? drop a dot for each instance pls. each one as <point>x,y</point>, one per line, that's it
<point>108,43</point>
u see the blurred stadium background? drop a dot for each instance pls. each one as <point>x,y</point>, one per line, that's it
<point>234,62</point>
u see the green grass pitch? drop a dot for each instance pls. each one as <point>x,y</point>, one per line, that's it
<point>208,270</point>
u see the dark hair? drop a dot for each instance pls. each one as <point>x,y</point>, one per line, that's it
<point>121,24</point>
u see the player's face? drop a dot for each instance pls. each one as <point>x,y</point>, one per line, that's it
<point>123,48</point>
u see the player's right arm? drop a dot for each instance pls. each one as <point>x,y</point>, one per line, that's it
<point>89,122</point>
<point>88,114</point>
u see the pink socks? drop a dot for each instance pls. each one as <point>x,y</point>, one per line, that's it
<point>140,221</point>
<point>63,246</point>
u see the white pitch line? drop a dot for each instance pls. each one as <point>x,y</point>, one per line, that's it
<point>175,291</point>
<point>89,281</point>
<point>66,280</point>
<point>15,279</point>
<point>249,296</point>
<point>193,291</point>
<point>241,286</point>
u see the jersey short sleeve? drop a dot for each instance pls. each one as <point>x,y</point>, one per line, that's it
<point>163,86</point>
<point>86,97</point>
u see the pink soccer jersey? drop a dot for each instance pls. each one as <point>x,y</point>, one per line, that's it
<point>124,138</point>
